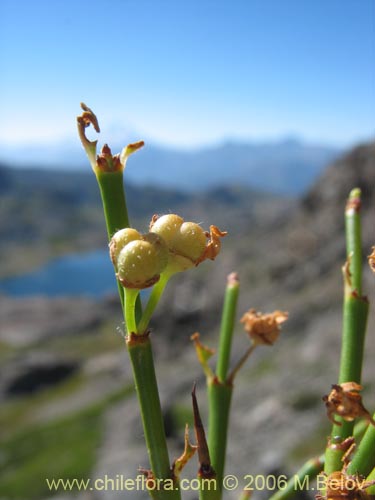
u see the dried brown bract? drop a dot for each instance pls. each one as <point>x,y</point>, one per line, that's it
<point>263,328</point>
<point>338,443</point>
<point>340,486</point>
<point>205,467</point>
<point>88,117</point>
<point>189,451</point>
<point>213,246</point>
<point>371,260</point>
<point>354,204</point>
<point>204,353</point>
<point>105,161</point>
<point>345,401</point>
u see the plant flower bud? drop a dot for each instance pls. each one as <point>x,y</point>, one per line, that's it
<point>186,241</point>
<point>139,259</point>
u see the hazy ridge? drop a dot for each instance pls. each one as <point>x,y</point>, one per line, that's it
<point>286,166</point>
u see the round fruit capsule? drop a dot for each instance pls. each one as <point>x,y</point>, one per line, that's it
<point>185,239</point>
<point>141,261</point>
<point>190,241</point>
<point>167,226</point>
<point>119,240</point>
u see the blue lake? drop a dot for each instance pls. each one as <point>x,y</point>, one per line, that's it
<point>76,274</point>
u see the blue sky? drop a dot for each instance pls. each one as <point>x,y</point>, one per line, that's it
<point>189,73</point>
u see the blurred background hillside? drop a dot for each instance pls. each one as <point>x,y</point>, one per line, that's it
<point>257,118</point>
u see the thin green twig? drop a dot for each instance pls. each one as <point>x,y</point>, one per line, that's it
<point>219,390</point>
<point>371,477</point>
<point>364,458</point>
<point>155,295</point>
<point>227,326</point>
<point>140,352</point>
<point>355,312</point>
<point>131,295</point>
<point>241,363</point>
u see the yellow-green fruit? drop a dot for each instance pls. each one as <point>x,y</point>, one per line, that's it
<point>184,239</point>
<point>119,240</point>
<point>167,226</point>
<point>190,241</point>
<point>140,262</point>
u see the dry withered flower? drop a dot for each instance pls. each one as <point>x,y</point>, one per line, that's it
<point>345,401</point>
<point>105,161</point>
<point>371,260</point>
<point>263,329</point>
<point>214,244</point>
<point>204,353</point>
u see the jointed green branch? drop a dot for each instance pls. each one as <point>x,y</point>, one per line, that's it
<point>219,389</point>
<point>227,326</point>
<point>355,312</point>
<point>140,351</point>
<point>114,206</point>
<point>364,459</point>
<point>219,398</point>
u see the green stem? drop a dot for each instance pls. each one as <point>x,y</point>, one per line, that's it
<point>227,326</point>
<point>300,480</point>
<point>209,489</point>
<point>355,320</point>
<point>364,459</point>
<point>371,477</point>
<point>219,399</point>
<point>140,352</point>
<point>355,312</point>
<point>155,295</point>
<point>111,185</point>
<point>114,203</point>
<point>131,295</point>
<point>219,390</point>
<point>111,188</point>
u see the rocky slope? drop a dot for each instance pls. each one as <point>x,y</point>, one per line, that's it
<point>291,263</point>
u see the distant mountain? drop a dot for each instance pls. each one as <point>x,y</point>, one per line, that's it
<point>310,242</point>
<point>285,167</point>
<point>289,166</point>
